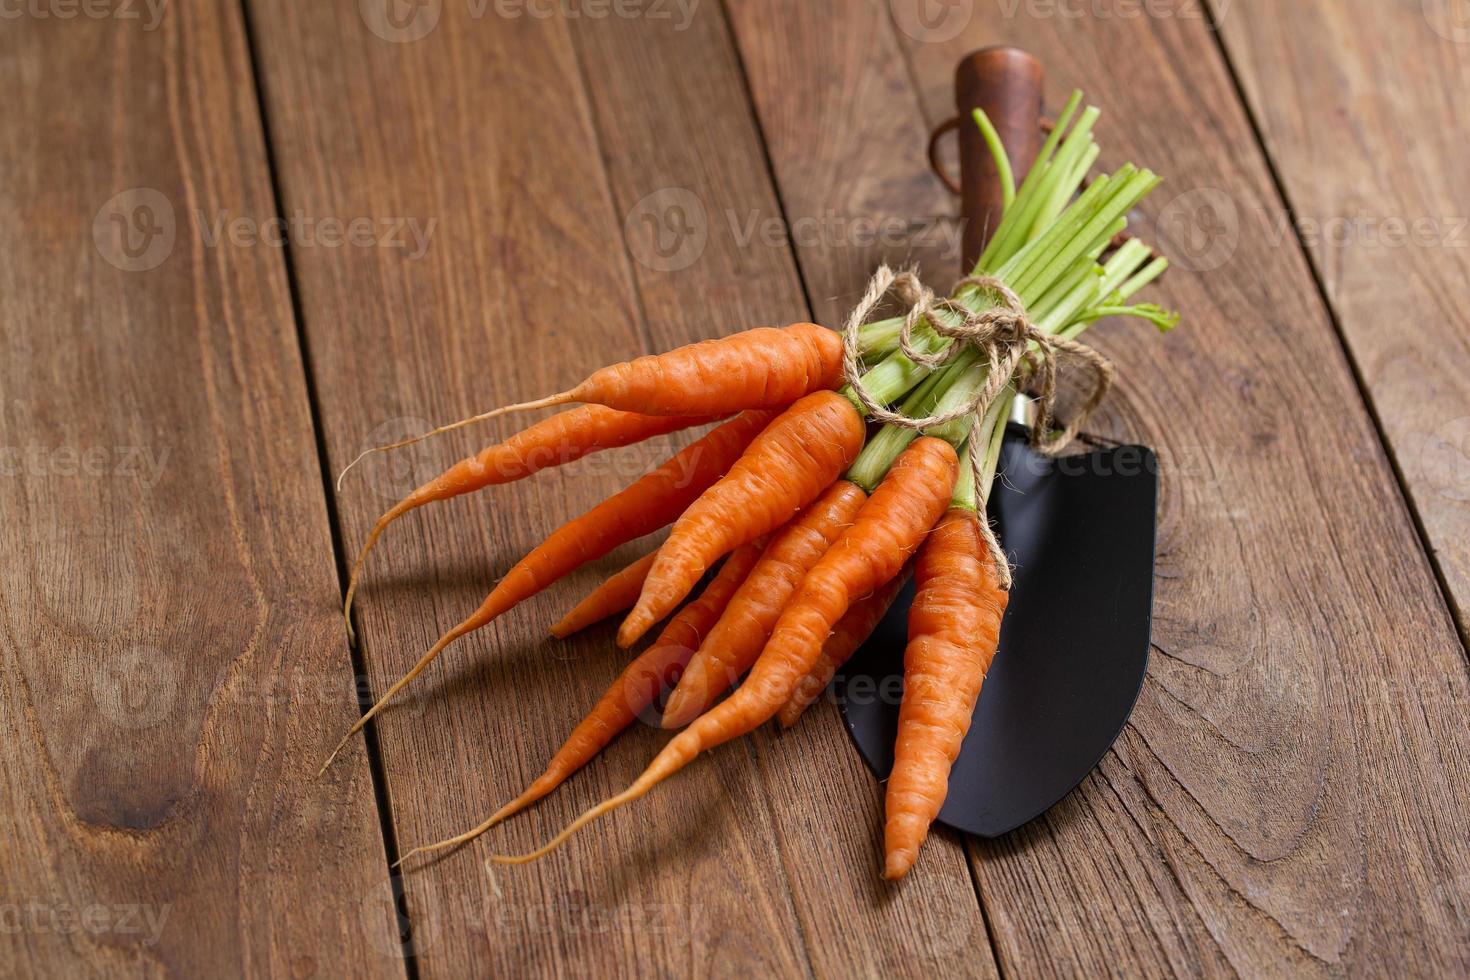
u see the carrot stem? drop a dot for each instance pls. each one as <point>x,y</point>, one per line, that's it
<point>1066,166</point>
<point>997,149</point>
<point>1017,220</point>
<point>943,391</point>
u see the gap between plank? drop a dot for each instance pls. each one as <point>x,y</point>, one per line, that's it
<point>775,184</point>
<point>806,294</point>
<point>357,662</point>
<point>1364,392</point>
<point>970,846</point>
<point>591,120</point>
<point>760,135</point>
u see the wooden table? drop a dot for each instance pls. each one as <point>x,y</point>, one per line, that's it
<point>484,200</point>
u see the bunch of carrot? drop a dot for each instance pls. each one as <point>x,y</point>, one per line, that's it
<point>813,523</point>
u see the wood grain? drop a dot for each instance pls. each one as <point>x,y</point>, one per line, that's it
<point>1004,83</point>
<point>172,669</point>
<point>1361,108</point>
<point>843,129</point>
<point>1285,794</point>
<point>484,125</point>
<point>700,136</point>
<point>484,204</point>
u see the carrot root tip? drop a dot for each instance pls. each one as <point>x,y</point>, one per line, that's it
<point>331,758</point>
<point>560,398</point>
<point>678,712</point>
<point>632,630</point>
<point>606,806</point>
<point>897,864</point>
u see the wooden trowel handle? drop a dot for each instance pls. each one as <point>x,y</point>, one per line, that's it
<point>1006,83</point>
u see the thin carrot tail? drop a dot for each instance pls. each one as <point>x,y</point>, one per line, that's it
<point>635,688</point>
<point>675,756</point>
<point>560,398</point>
<point>469,625</point>
<point>606,806</point>
<point>533,793</point>
<point>752,705</point>
<point>392,514</point>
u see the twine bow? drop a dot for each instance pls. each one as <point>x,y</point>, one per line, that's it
<point>1008,342</point>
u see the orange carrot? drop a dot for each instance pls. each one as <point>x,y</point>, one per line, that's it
<point>637,687</point>
<point>784,469</point>
<point>954,627</point>
<point>691,624</point>
<point>886,530</point>
<point>561,439</point>
<point>642,508</point>
<point>615,595</point>
<point>766,367</point>
<point>741,633</point>
<point>851,632</point>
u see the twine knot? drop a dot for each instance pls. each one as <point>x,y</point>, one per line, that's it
<point>1008,343</point>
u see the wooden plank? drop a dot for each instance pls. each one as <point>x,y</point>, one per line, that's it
<point>1337,91</point>
<point>172,665</point>
<point>482,125</point>
<point>840,121</point>
<point>697,143</point>
<point>1287,792</point>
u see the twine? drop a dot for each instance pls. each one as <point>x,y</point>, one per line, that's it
<point>1006,339</point>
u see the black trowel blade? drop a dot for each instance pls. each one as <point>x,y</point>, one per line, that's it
<point>1073,645</point>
